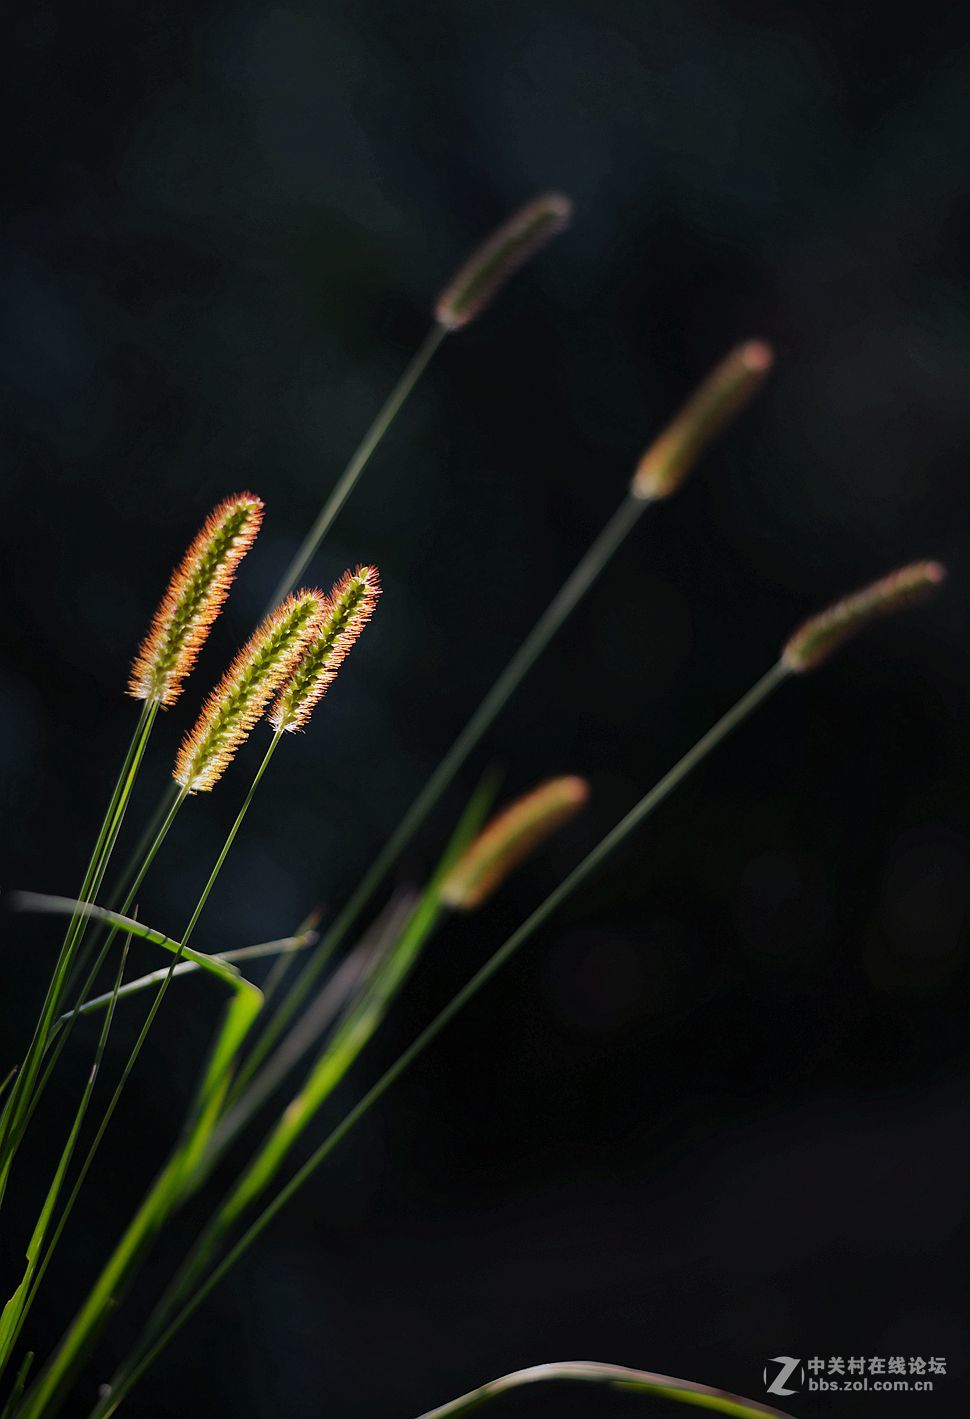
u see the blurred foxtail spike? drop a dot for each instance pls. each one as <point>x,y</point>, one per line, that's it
<point>193,599</point>
<point>497,259</point>
<point>709,410</point>
<point>242,694</point>
<point>348,608</point>
<point>509,838</point>
<point>823,634</point>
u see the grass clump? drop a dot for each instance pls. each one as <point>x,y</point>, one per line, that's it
<point>283,672</point>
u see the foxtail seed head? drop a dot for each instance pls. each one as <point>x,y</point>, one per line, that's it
<point>498,258</point>
<point>348,608</point>
<point>816,640</point>
<point>242,694</point>
<point>509,838</point>
<point>709,410</point>
<point>193,599</point>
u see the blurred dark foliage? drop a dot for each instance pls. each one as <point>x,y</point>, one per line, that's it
<point>716,1112</point>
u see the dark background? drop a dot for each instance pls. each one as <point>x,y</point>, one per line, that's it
<point>716,1111</point>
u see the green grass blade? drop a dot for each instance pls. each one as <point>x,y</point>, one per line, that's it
<point>216,965</point>
<point>340,1055</point>
<point>18,1386</point>
<point>283,946</point>
<point>163,1196</point>
<point>611,1377</point>
<point>346,984</point>
<point>45,1395</point>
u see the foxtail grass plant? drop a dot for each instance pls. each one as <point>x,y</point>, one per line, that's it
<point>295,654</point>
<point>282,674</point>
<point>229,714</point>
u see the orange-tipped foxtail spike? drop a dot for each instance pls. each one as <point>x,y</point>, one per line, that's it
<point>242,694</point>
<point>348,608</point>
<point>823,634</point>
<point>509,838</point>
<point>712,406</point>
<point>193,599</point>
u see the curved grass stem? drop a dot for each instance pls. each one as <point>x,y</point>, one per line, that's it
<point>619,1377</point>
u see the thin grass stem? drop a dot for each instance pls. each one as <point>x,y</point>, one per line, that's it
<point>127,882</point>
<point>230,839</point>
<point>359,460</point>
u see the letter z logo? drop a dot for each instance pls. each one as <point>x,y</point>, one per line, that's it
<point>787,1367</point>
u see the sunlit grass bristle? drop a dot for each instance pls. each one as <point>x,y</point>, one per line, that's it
<point>243,693</point>
<point>823,634</point>
<point>193,599</point>
<point>509,838</point>
<point>712,406</point>
<point>499,257</point>
<point>348,608</point>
